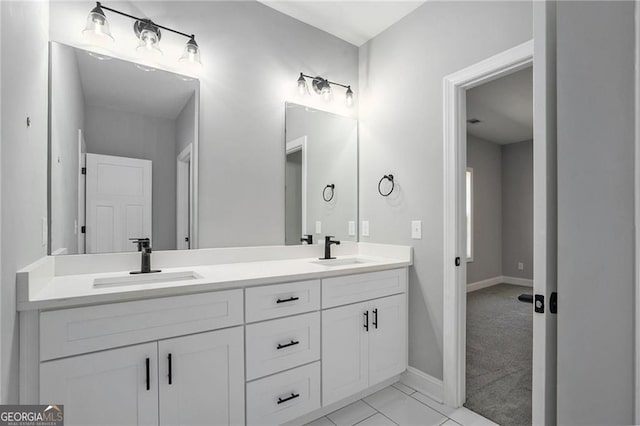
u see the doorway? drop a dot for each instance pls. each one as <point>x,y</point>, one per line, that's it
<point>184,199</point>
<point>499,248</point>
<point>454,243</point>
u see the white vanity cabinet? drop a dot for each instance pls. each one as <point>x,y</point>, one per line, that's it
<point>191,380</point>
<point>363,343</point>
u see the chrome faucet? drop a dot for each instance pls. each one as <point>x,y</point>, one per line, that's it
<point>327,247</point>
<point>144,246</point>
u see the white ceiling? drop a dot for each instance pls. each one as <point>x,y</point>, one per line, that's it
<point>504,107</point>
<point>354,21</point>
<point>123,86</point>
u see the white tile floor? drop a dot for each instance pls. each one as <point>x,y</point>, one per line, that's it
<point>400,405</point>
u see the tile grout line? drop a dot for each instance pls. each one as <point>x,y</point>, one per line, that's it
<point>368,417</point>
<point>379,412</point>
<point>428,406</point>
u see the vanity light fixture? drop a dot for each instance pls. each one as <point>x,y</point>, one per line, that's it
<point>322,87</point>
<point>148,32</point>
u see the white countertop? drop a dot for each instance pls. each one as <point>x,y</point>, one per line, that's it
<point>39,287</point>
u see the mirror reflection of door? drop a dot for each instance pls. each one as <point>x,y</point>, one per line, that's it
<point>296,191</point>
<point>118,202</point>
<point>183,197</point>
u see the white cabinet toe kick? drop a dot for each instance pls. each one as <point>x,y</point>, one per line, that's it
<point>267,355</point>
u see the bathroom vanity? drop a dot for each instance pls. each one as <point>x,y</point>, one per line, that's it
<point>263,335</point>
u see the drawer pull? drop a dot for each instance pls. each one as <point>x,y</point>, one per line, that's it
<point>291,299</point>
<point>375,317</point>
<point>366,320</point>
<point>286,345</point>
<point>147,373</point>
<point>289,398</point>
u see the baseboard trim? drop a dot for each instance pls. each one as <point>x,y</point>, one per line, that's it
<point>424,383</point>
<point>518,281</point>
<point>499,280</point>
<point>483,284</point>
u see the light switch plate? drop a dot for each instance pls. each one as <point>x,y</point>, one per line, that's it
<point>520,266</point>
<point>365,228</point>
<point>318,227</point>
<point>352,228</point>
<point>416,229</point>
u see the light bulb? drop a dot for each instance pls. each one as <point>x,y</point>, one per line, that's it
<point>97,31</point>
<point>326,92</point>
<point>149,35</point>
<point>302,85</point>
<point>349,97</point>
<point>190,58</point>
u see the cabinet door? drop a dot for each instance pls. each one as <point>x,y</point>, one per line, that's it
<point>387,338</point>
<point>114,387</point>
<point>345,362</point>
<point>202,379</point>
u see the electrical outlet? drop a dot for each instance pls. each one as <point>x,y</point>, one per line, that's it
<point>318,227</point>
<point>365,228</point>
<point>352,228</point>
<point>520,266</point>
<point>416,229</point>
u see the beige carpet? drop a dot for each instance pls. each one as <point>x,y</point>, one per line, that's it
<point>499,345</point>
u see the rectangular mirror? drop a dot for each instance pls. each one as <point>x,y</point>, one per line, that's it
<point>123,147</point>
<point>321,175</point>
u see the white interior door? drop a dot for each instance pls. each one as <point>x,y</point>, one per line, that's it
<point>82,188</point>
<point>108,387</point>
<point>202,379</point>
<point>184,196</point>
<point>118,202</point>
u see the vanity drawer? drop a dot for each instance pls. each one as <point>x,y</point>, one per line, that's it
<point>279,300</point>
<point>281,344</point>
<point>74,331</point>
<point>356,288</point>
<point>283,397</point>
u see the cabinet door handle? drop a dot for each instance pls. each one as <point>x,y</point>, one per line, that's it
<point>366,320</point>
<point>291,299</point>
<point>289,398</point>
<point>286,345</point>
<point>147,372</point>
<point>170,365</point>
<point>375,317</point>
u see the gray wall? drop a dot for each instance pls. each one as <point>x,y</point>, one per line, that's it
<point>401,73</point>
<point>486,160</point>
<point>517,209</point>
<point>67,116</point>
<point>127,134</point>
<point>24,62</point>
<point>252,56</point>
<point>595,81</point>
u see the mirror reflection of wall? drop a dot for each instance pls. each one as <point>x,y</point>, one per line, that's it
<point>132,130</point>
<point>321,151</point>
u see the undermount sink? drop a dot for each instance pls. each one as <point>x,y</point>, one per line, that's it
<point>153,278</point>
<point>339,262</point>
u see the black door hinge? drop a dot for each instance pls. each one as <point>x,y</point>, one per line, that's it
<point>457,261</point>
<point>553,303</point>
<point>538,303</point>
<point>83,170</point>
<point>83,229</point>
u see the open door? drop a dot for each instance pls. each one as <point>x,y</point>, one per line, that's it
<point>82,188</point>
<point>544,215</point>
<point>184,199</point>
<point>118,202</point>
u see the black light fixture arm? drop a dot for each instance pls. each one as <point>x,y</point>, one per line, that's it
<point>100,5</point>
<point>328,81</point>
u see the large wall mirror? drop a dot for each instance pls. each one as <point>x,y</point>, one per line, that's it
<point>321,175</point>
<point>123,154</point>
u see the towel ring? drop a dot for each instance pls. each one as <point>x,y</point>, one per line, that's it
<point>393,185</point>
<point>332,187</point>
